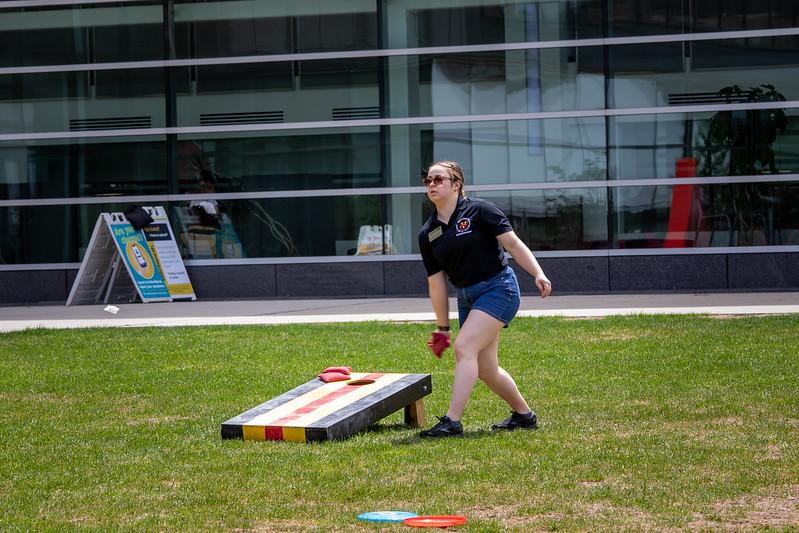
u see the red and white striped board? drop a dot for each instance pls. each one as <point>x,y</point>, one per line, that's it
<point>319,411</point>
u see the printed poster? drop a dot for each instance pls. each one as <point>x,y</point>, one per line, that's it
<point>164,249</point>
<point>138,259</point>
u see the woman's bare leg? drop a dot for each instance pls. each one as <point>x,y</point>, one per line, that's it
<point>479,331</point>
<point>497,379</point>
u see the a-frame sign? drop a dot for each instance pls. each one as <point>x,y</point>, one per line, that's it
<point>122,263</point>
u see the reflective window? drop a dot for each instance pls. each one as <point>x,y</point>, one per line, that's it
<point>643,75</point>
<point>553,219</point>
<point>234,37</point>
<point>48,234</point>
<point>284,227</point>
<point>437,85</point>
<point>238,78</point>
<point>23,239</point>
<point>298,91</point>
<point>723,15</point>
<point>556,219</point>
<point>81,34</point>
<point>255,27</point>
<point>745,214</point>
<point>440,23</point>
<point>496,82</point>
<point>296,160</point>
<point>82,101</point>
<point>654,17</point>
<point>48,85</point>
<point>516,151</point>
<point>83,167</point>
<point>722,143</point>
<point>646,17</point>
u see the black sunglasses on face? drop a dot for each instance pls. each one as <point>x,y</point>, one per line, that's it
<point>437,180</point>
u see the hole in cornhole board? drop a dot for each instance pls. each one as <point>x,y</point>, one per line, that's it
<point>362,381</point>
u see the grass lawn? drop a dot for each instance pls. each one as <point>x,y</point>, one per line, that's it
<point>647,423</point>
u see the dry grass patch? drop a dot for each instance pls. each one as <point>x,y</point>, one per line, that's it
<point>159,420</point>
<point>278,525</point>
<point>772,452</point>
<point>753,512</point>
<point>621,335</point>
<point>38,398</point>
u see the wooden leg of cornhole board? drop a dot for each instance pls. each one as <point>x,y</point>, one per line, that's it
<point>414,414</point>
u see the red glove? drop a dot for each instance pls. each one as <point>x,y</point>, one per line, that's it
<point>438,342</point>
<point>339,369</point>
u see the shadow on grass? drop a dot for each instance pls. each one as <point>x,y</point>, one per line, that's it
<point>379,429</point>
<point>467,435</point>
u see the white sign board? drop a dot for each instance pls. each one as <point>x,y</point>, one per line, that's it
<point>153,277</point>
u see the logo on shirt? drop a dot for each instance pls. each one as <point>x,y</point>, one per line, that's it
<point>463,226</point>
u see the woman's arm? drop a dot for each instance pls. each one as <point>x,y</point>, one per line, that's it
<point>439,297</point>
<point>525,258</point>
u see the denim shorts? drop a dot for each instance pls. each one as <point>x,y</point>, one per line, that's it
<point>498,296</point>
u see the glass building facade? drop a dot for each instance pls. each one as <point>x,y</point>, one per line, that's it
<point>601,127</point>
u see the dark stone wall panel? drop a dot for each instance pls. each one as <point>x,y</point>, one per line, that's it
<point>233,282</point>
<point>408,278</point>
<point>764,271</point>
<point>33,286</point>
<point>320,280</point>
<point>568,275</point>
<point>668,272</point>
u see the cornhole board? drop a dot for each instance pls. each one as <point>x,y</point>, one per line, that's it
<point>319,411</point>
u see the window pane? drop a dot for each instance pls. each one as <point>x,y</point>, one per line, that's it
<point>556,219</point>
<point>82,101</point>
<point>244,78</point>
<point>81,34</point>
<point>655,17</point>
<point>436,85</point>
<point>82,167</point>
<point>55,86</point>
<point>723,143</point>
<point>723,15</point>
<point>332,32</point>
<point>129,42</point>
<point>255,27</point>
<point>663,74</point>
<point>496,82</point>
<point>745,214</point>
<point>48,234</point>
<point>242,37</point>
<point>301,91</point>
<point>553,219</point>
<point>280,227</point>
<point>284,160</point>
<point>646,17</point>
<point>517,151</point>
<point>491,21</point>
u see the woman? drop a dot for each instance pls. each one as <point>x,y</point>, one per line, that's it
<point>464,240</point>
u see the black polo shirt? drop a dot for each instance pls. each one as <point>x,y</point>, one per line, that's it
<point>466,248</point>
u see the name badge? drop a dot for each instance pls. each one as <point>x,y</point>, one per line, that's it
<point>435,234</point>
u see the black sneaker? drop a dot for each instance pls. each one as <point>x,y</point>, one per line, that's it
<point>446,427</point>
<point>517,421</point>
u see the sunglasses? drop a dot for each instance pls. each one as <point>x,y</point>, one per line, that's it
<point>437,180</point>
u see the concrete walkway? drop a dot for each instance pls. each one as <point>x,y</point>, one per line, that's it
<point>383,309</point>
